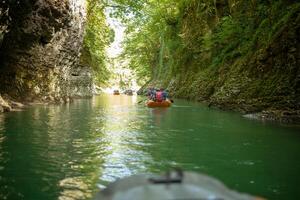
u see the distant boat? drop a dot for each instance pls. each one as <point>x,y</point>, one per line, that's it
<point>128,92</point>
<point>116,92</point>
<point>154,104</point>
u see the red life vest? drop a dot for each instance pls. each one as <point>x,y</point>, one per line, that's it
<point>159,96</point>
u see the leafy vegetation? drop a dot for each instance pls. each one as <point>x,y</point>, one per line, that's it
<point>97,37</point>
<point>226,52</point>
<point>165,38</point>
<point>231,53</point>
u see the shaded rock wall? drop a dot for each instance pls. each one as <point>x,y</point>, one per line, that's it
<point>40,47</point>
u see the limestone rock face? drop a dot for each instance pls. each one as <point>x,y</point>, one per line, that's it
<point>4,106</point>
<point>40,46</point>
<point>81,82</point>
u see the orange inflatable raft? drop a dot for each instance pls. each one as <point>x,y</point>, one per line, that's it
<point>154,104</point>
<point>116,92</point>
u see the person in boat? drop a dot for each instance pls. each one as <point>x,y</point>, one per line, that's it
<point>159,95</point>
<point>165,95</point>
<point>149,92</point>
<point>153,94</point>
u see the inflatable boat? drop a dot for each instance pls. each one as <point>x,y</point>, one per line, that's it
<point>154,104</point>
<point>173,185</point>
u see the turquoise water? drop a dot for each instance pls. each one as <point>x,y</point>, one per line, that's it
<point>70,151</point>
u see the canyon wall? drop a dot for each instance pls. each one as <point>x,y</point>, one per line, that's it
<point>40,48</point>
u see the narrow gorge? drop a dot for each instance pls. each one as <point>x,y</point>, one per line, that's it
<point>231,54</point>
<point>96,92</point>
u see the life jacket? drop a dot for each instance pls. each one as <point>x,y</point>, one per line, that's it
<point>159,96</point>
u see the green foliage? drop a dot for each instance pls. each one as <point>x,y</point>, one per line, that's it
<point>166,38</point>
<point>144,45</point>
<point>97,37</point>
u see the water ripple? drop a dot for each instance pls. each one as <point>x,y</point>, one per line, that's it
<point>70,151</point>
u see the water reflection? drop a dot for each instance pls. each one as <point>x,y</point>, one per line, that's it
<point>69,151</point>
<point>2,138</point>
<point>158,115</point>
<point>120,130</point>
<point>51,153</point>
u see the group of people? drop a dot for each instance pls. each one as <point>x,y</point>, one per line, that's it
<point>157,95</point>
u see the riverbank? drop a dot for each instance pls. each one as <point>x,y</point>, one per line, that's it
<point>251,69</point>
<point>252,109</point>
<point>8,104</point>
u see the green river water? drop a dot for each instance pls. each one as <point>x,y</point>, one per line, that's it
<point>71,151</point>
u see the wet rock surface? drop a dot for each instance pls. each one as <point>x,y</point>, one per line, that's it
<point>4,106</point>
<point>40,48</point>
<point>7,104</point>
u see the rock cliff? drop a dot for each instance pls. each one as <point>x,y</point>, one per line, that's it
<point>40,46</point>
